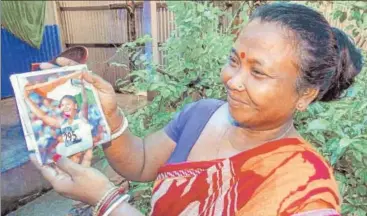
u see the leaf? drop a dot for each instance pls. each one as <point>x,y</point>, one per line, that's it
<point>209,92</point>
<point>165,93</point>
<point>356,14</point>
<point>347,208</point>
<point>337,14</point>
<point>343,17</point>
<point>343,144</point>
<point>360,212</point>
<point>155,86</point>
<point>362,190</point>
<point>200,8</point>
<point>364,19</point>
<point>358,146</point>
<point>318,124</point>
<point>355,32</point>
<point>363,175</point>
<point>349,27</point>
<point>361,4</point>
<point>359,23</point>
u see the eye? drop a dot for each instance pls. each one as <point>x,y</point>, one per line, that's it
<point>257,73</point>
<point>232,60</point>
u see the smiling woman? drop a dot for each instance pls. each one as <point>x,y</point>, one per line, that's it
<point>243,156</point>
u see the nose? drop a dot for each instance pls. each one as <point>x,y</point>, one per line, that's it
<point>237,83</point>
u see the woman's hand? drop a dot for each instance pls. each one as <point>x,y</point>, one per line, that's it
<point>105,91</point>
<point>76,181</point>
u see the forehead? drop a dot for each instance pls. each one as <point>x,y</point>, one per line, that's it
<point>269,42</point>
<point>67,100</point>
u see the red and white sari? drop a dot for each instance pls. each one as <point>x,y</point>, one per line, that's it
<point>280,178</point>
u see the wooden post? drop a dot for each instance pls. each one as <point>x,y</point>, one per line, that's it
<point>58,21</point>
<point>150,28</point>
<point>154,26</point>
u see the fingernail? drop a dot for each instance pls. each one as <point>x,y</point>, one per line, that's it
<point>56,157</point>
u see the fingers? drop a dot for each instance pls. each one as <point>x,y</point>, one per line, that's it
<point>62,61</point>
<point>70,167</point>
<point>97,81</point>
<point>75,158</point>
<point>75,75</point>
<point>87,158</point>
<point>59,180</point>
<point>46,65</point>
<point>35,162</point>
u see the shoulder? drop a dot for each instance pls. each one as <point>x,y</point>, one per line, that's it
<point>295,174</point>
<point>302,156</point>
<point>199,110</point>
<point>210,102</point>
<point>312,179</point>
<point>204,104</point>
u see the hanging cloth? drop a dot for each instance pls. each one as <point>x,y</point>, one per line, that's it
<point>25,19</point>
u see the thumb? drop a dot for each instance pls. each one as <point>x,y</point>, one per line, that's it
<point>62,61</point>
<point>70,167</point>
<point>87,158</point>
<point>47,172</point>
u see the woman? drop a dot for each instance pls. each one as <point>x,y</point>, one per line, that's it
<point>73,124</point>
<point>243,157</point>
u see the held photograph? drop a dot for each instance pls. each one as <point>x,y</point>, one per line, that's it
<point>64,112</point>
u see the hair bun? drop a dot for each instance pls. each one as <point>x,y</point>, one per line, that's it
<point>349,64</point>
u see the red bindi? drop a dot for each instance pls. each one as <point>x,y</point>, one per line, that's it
<point>242,55</point>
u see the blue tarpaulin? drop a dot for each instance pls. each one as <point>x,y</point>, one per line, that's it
<point>17,56</point>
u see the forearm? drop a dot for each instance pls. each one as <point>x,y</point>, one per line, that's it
<point>135,158</point>
<point>41,114</point>
<point>34,108</point>
<point>126,156</point>
<point>126,209</point>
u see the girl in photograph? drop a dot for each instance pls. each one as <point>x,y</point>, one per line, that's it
<point>73,122</point>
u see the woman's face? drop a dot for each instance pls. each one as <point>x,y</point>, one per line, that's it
<point>68,108</point>
<point>260,77</point>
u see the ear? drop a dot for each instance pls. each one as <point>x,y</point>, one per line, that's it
<point>306,98</point>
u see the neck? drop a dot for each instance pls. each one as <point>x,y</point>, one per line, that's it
<point>71,118</point>
<point>244,138</point>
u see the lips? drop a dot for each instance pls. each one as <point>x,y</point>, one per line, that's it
<point>236,99</point>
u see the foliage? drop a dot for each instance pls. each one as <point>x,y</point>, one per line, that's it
<point>193,57</point>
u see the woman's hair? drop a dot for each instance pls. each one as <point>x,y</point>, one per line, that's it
<point>72,98</point>
<point>327,57</point>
